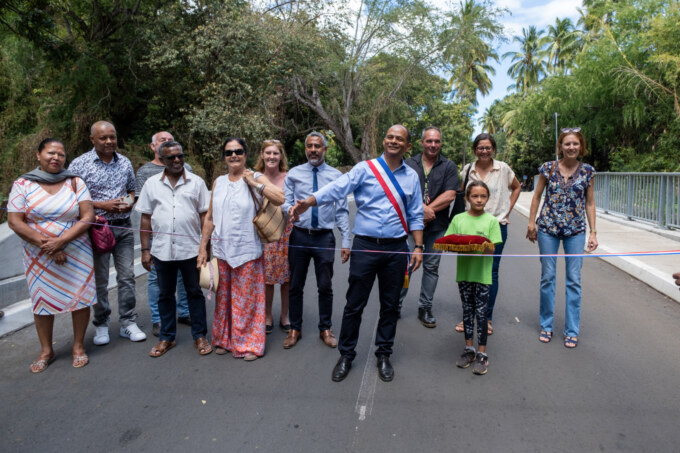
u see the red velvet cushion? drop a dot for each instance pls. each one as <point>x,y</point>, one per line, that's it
<point>461,243</point>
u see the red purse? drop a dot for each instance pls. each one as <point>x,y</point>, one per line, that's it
<point>101,235</point>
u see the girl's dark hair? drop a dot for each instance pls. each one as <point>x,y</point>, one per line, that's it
<point>47,141</point>
<point>234,139</point>
<point>481,137</point>
<point>476,183</point>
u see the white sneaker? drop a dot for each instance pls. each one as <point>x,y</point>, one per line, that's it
<point>101,335</point>
<point>132,332</point>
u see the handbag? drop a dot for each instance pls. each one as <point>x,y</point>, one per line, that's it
<point>210,276</point>
<point>101,235</point>
<point>459,202</point>
<point>269,220</point>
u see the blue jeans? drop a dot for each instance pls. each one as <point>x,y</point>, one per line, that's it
<point>494,272</point>
<point>548,244</point>
<point>430,270</point>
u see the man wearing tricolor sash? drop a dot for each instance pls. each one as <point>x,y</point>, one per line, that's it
<point>389,207</point>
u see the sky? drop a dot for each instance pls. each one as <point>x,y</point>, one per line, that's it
<point>524,13</point>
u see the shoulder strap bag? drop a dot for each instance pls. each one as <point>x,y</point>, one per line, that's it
<point>101,235</point>
<point>459,202</point>
<point>269,220</point>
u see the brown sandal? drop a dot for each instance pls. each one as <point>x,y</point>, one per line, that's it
<point>161,348</point>
<point>203,346</point>
<point>220,351</point>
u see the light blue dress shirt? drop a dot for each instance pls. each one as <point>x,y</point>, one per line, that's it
<point>376,217</point>
<point>298,186</point>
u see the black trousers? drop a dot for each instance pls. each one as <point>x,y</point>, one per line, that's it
<point>363,268</point>
<point>167,304</point>
<point>300,252</point>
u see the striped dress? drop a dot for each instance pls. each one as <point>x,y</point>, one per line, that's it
<point>55,288</point>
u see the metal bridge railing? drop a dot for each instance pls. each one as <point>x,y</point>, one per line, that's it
<point>650,197</point>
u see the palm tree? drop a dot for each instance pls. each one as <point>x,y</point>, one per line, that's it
<point>528,66</point>
<point>563,43</point>
<point>467,47</point>
<point>491,119</point>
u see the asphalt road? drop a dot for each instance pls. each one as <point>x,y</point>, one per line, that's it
<point>618,391</point>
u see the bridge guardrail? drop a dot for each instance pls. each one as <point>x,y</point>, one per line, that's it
<point>649,197</point>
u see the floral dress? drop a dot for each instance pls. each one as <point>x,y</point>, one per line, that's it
<point>276,268</point>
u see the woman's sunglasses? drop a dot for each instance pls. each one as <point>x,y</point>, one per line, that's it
<point>229,152</point>
<point>570,130</point>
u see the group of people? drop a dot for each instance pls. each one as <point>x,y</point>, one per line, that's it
<point>183,226</point>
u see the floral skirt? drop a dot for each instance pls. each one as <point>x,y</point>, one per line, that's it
<point>276,269</point>
<point>238,323</point>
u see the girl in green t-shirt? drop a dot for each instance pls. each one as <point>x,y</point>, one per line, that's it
<point>474,274</point>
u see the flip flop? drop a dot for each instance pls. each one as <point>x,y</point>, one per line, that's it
<point>572,340</point>
<point>41,365</point>
<point>545,337</point>
<point>80,361</point>
<point>161,348</point>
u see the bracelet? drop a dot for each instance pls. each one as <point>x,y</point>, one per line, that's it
<point>146,250</point>
<point>260,188</point>
<point>593,231</point>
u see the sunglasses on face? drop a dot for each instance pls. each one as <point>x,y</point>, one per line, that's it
<point>173,157</point>
<point>230,152</point>
<point>569,130</point>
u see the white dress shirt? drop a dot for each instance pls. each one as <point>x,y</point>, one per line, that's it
<point>175,214</point>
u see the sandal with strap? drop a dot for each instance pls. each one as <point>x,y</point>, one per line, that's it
<point>80,360</point>
<point>545,337</point>
<point>570,340</point>
<point>161,348</point>
<point>41,365</point>
<point>203,346</point>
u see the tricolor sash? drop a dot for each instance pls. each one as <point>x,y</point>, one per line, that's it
<point>391,187</point>
<point>394,193</point>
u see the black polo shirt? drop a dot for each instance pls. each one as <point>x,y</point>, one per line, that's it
<point>443,176</point>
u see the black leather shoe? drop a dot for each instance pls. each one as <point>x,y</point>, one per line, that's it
<point>341,369</point>
<point>385,370</point>
<point>184,320</point>
<point>426,318</point>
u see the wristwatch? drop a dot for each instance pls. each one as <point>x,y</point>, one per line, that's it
<point>260,188</point>
<point>421,247</point>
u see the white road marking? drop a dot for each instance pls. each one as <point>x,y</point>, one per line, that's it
<point>364,405</point>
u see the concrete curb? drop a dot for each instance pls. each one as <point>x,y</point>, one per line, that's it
<point>634,267</point>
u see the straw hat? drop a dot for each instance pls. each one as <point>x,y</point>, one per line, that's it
<point>206,271</point>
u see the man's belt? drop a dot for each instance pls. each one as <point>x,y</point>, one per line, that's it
<point>311,232</point>
<point>382,240</point>
<point>119,222</point>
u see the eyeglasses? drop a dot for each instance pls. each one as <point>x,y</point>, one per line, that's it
<point>484,148</point>
<point>569,130</point>
<point>173,157</point>
<point>229,152</point>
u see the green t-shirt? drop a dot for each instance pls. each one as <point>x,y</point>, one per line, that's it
<point>473,268</point>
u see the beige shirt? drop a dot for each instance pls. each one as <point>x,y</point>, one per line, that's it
<point>499,179</point>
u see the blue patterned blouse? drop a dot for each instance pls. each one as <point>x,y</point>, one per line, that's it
<point>564,209</point>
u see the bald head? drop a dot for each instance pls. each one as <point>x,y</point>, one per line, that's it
<point>103,137</point>
<point>101,124</point>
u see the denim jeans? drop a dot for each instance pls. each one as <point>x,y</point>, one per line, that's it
<point>494,272</point>
<point>167,282</point>
<point>153,291</point>
<point>548,244</point>
<point>430,270</point>
<point>123,260</point>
